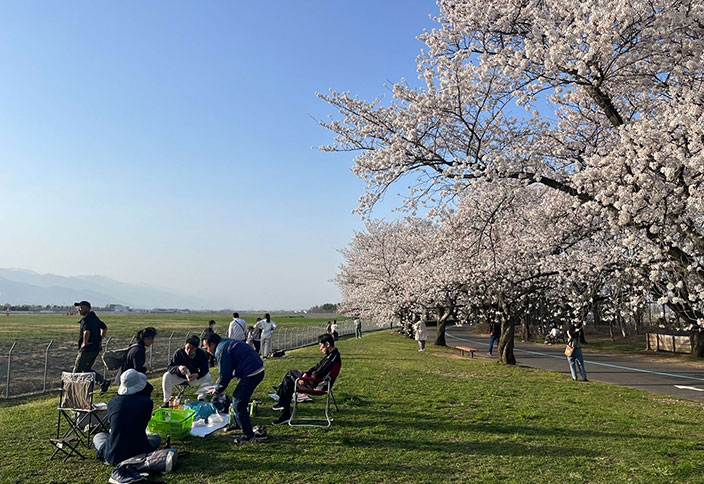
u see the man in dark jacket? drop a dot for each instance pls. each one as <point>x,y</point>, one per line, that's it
<point>189,364</point>
<point>319,372</point>
<point>495,333</point>
<point>129,414</point>
<point>93,330</point>
<point>236,359</point>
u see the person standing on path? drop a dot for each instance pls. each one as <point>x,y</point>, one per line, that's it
<point>576,359</point>
<point>421,332</point>
<point>357,328</point>
<point>238,328</point>
<point>267,327</point>
<point>93,330</point>
<point>495,332</point>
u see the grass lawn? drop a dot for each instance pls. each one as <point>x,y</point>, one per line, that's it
<point>60,327</point>
<point>418,417</point>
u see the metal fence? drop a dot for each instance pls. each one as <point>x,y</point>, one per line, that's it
<point>32,368</point>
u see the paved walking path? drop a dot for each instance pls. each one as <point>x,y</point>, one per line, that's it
<point>667,379</point>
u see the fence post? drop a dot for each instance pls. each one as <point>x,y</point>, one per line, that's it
<point>168,354</point>
<point>105,367</point>
<point>9,366</point>
<point>46,363</point>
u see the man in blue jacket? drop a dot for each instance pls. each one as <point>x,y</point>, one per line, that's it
<point>236,359</point>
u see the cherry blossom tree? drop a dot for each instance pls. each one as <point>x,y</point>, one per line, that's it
<point>614,123</point>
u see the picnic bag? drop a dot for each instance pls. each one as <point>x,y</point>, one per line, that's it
<point>568,351</point>
<point>139,467</point>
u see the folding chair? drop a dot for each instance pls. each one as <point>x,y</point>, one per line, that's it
<point>75,408</point>
<point>323,387</point>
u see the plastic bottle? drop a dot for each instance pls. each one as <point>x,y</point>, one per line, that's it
<point>253,408</point>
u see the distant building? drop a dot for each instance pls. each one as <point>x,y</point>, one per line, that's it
<point>118,308</point>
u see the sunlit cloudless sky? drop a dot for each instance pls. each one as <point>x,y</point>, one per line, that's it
<point>171,143</point>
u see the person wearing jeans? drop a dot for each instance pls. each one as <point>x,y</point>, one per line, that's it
<point>236,359</point>
<point>357,328</point>
<point>576,359</point>
<point>495,333</point>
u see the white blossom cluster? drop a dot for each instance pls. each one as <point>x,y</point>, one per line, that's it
<point>602,190</point>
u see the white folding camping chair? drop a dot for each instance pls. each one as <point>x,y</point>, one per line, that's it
<point>81,416</point>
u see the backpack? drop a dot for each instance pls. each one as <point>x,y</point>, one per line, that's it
<point>113,359</point>
<point>221,402</point>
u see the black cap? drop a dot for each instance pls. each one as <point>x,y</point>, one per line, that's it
<point>83,303</point>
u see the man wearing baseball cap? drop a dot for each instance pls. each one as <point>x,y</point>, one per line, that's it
<point>93,331</point>
<point>129,413</point>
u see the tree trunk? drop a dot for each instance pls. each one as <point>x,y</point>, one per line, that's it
<point>526,327</point>
<point>441,317</point>
<point>697,339</point>
<point>508,330</point>
<point>622,326</point>
<point>597,313</point>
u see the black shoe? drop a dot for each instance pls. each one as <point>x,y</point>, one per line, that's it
<point>586,379</point>
<point>282,420</point>
<point>165,405</point>
<point>104,387</point>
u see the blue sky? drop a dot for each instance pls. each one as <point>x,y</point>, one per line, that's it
<point>170,143</point>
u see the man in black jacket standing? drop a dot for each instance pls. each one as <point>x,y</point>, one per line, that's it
<point>319,372</point>
<point>93,330</point>
<point>189,364</point>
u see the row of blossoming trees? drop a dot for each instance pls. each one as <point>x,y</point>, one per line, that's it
<point>593,193</point>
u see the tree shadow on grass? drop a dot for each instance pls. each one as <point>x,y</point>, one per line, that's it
<point>359,419</point>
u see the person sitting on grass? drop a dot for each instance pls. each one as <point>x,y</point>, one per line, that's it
<point>189,364</point>
<point>136,357</point>
<point>286,389</point>
<point>236,359</point>
<point>129,414</point>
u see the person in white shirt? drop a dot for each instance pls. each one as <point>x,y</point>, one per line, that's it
<point>238,328</point>
<point>333,328</point>
<point>357,327</point>
<point>266,326</point>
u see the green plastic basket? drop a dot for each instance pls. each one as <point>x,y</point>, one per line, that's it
<point>171,421</point>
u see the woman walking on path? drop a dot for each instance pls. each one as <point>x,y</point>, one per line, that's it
<point>333,328</point>
<point>575,359</point>
<point>421,333</point>
<point>136,357</point>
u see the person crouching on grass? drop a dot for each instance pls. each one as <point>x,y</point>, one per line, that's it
<point>189,364</point>
<point>236,359</point>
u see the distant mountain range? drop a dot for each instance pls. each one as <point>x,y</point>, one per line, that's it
<point>18,286</point>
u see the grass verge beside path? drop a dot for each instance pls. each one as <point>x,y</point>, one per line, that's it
<point>418,417</point>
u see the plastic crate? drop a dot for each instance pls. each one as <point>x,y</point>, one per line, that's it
<point>171,421</point>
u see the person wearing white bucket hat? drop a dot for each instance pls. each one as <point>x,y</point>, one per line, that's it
<point>129,414</point>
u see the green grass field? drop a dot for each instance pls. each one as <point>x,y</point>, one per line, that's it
<point>54,326</point>
<point>418,417</point>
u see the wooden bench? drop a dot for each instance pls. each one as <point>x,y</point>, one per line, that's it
<point>465,349</point>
